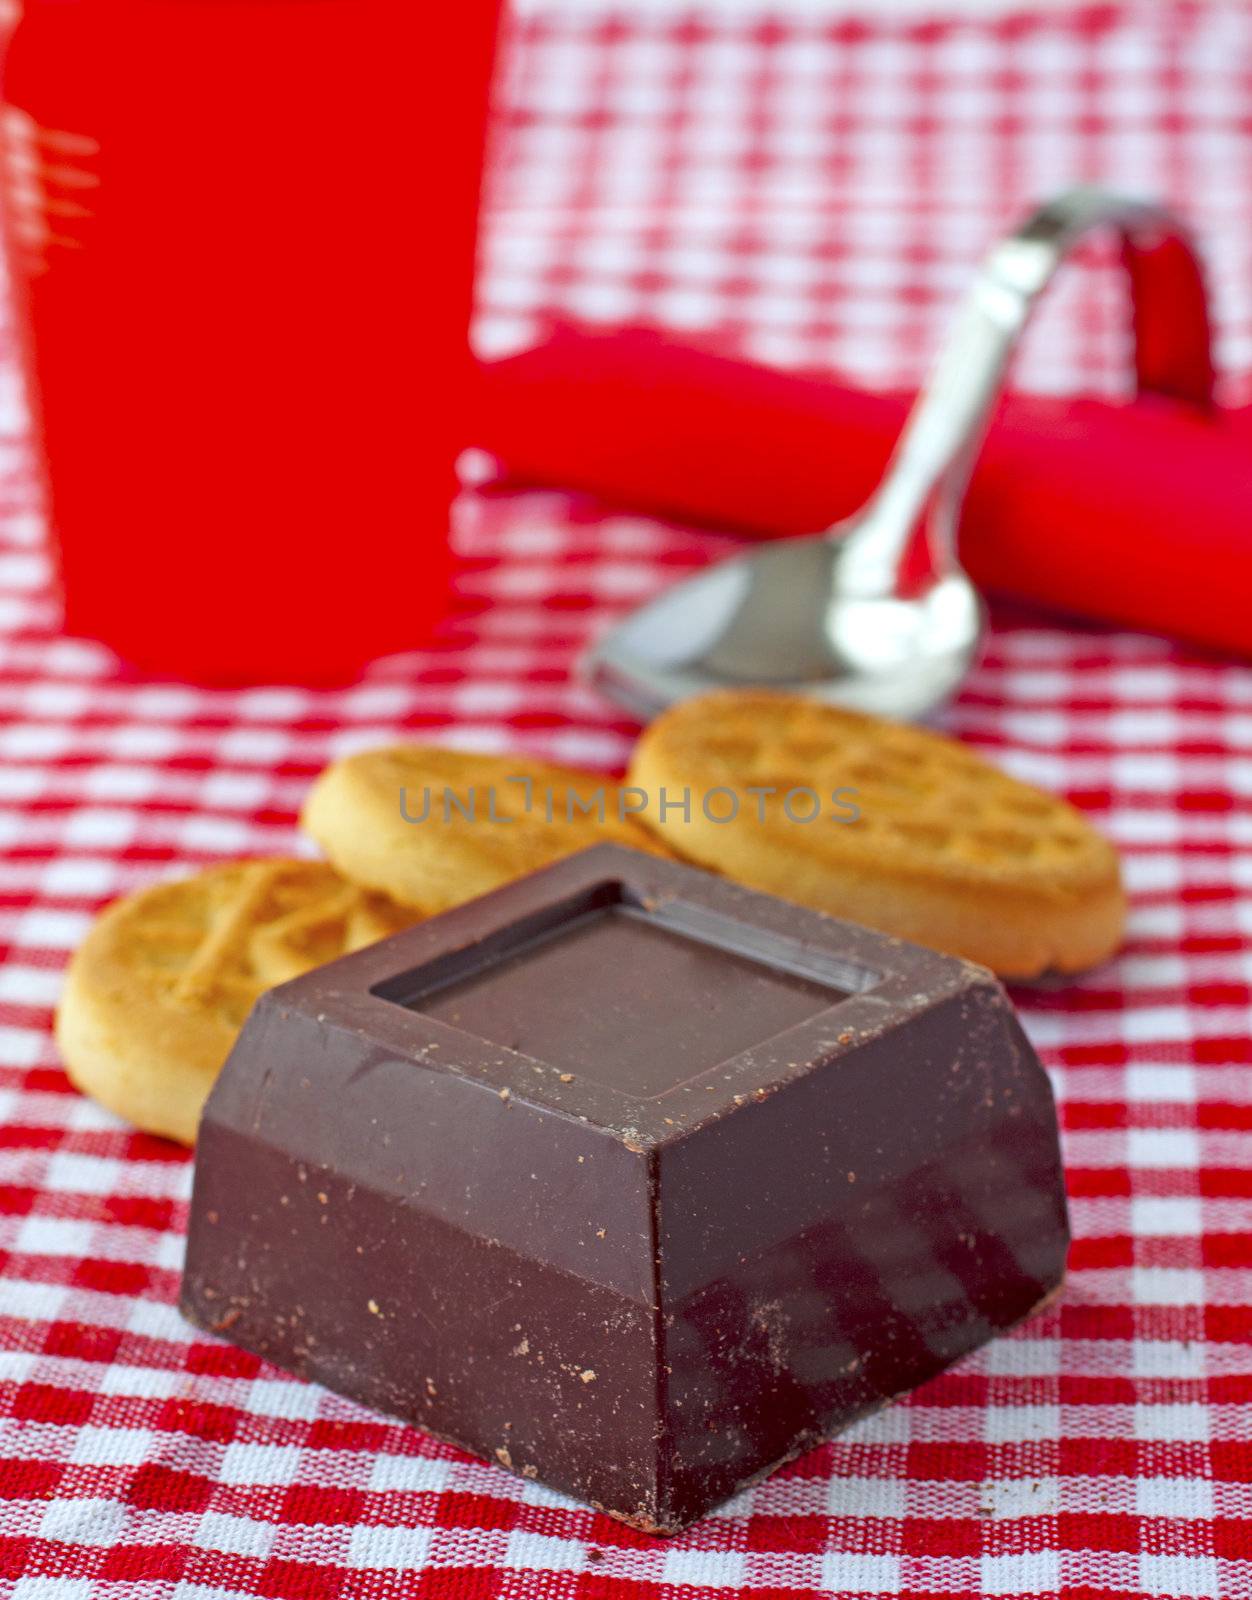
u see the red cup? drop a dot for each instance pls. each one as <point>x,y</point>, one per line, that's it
<point>242,234</point>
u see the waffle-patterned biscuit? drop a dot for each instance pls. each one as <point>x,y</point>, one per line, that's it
<point>525,815</point>
<point>948,851</point>
<point>158,990</point>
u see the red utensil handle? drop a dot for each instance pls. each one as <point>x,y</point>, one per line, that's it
<point>1173,337</point>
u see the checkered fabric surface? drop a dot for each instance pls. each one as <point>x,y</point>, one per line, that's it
<point>817,189</point>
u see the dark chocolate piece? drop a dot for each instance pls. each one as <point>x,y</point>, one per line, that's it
<point>631,1179</point>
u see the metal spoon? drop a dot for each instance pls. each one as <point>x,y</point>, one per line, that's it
<point>831,615</point>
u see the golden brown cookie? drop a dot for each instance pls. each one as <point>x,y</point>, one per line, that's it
<point>947,850</point>
<point>160,987</point>
<point>433,827</point>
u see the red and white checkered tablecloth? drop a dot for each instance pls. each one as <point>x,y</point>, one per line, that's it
<point>817,188</point>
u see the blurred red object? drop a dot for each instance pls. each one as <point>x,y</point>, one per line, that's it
<point>1137,513</point>
<point>243,283</point>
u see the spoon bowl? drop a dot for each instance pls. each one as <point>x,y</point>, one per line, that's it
<point>781,619</point>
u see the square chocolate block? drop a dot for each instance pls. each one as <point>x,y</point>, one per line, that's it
<point>628,1178</point>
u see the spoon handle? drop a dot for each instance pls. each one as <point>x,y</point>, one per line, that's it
<point>926,478</point>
